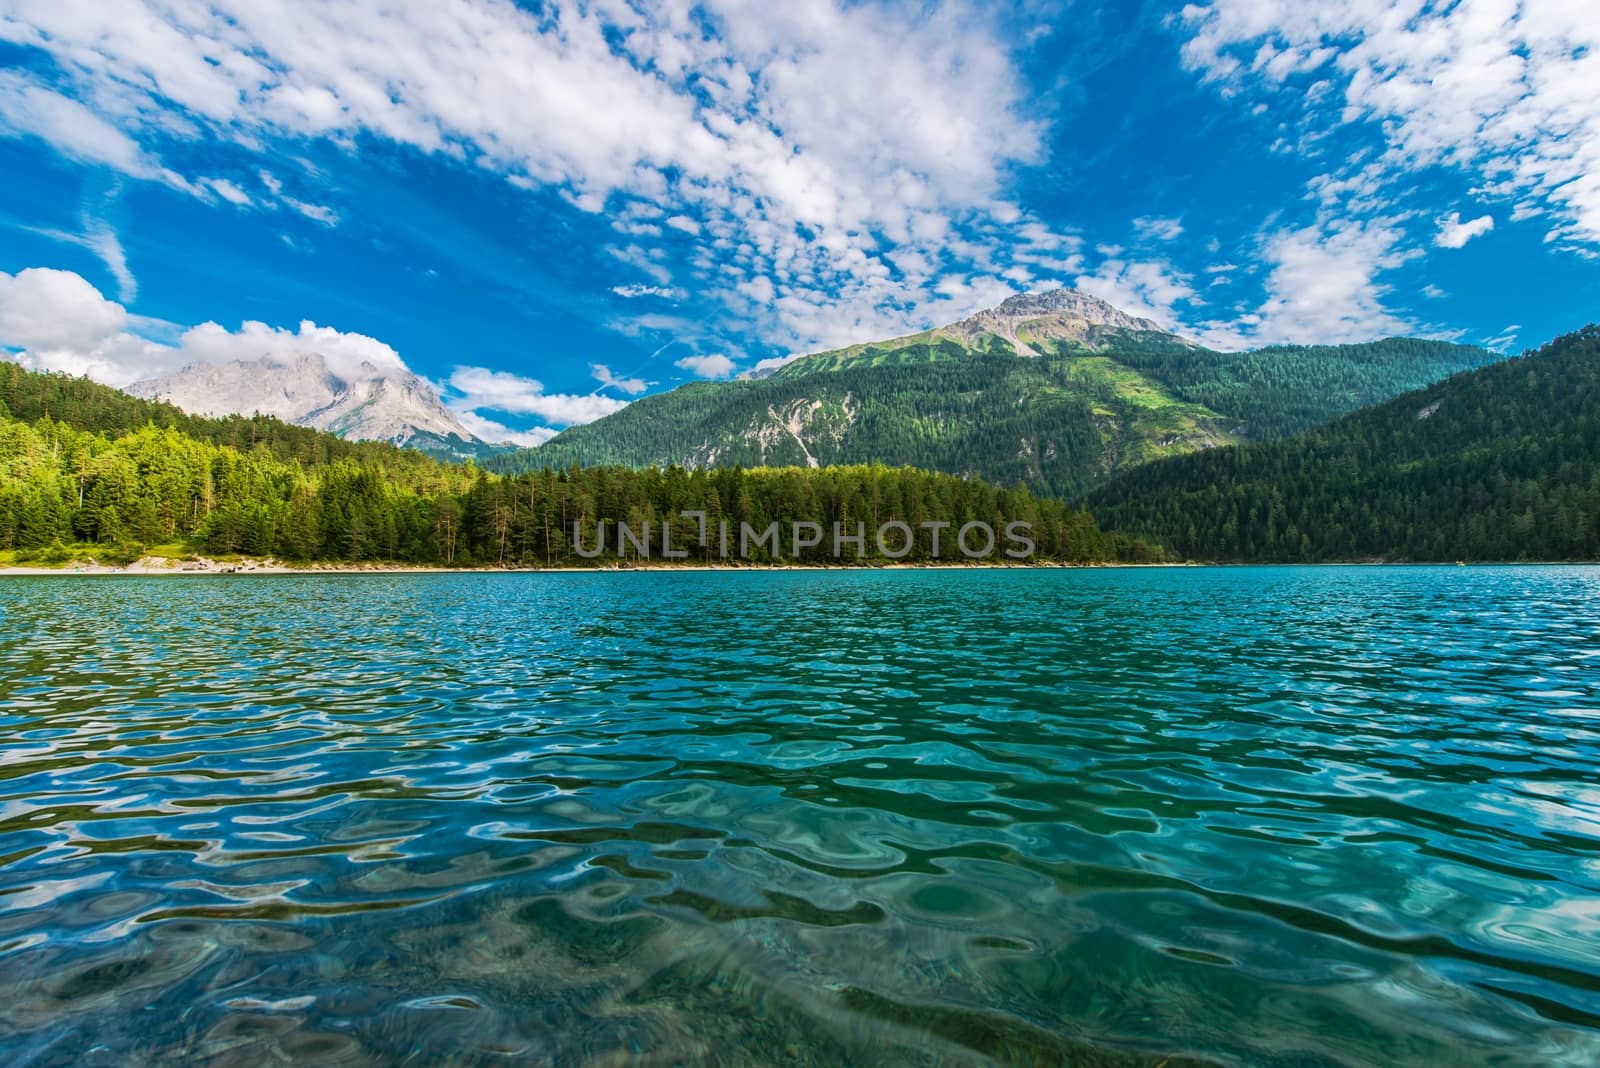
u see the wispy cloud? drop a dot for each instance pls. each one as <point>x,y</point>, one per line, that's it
<point>99,238</point>
<point>631,386</point>
<point>634,290</point>
<point>1501,91</point>
<point>852,156</point>
<point>1158,229</point>
<point>1503,341</point>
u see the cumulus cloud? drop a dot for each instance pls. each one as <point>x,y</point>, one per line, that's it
<point>714,366</point>
<point>851,155</point>
<point>1324,285</point>
<point>486,429</point>
<point>60,322</point>
<point>1453,233</point>
<point>1502,91</point>
<point>54,320</point>
<point>43,308</point>
<point>477,389</point>
<point>346,354</point>
<point>630,386</point>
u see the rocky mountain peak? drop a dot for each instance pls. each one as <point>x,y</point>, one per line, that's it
<point>1070,304</point>
<point>1059,314</point>
<point>364,402</point>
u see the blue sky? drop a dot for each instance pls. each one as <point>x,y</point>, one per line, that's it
<point>550,209</point>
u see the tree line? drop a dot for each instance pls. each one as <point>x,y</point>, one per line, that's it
<point>297,498</point>
<point>1498,463</point>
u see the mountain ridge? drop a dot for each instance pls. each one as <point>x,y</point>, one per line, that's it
<point>1057,391</point>
<point>1500,462</point>
<point>363,402</point>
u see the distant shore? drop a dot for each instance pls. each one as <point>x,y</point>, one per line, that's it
<point>162,567</point>
<point>176,568</point>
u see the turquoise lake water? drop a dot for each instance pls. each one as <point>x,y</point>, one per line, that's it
<point>1293,816</point>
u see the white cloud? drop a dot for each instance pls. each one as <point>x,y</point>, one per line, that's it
<point>103,242</point>
<point>99,238</point>
<point>635,290</point>
<point>485,429</point>
<point>345,353</point>
<point>770,364</point>
<point>316,212</point>
<point>30,109</point>
<point>1453,233</point>
<point>1323,287</point>
<point>647,261</point>
<point>89,339</point>
<point>852,155</point>
<point>630,386</point>
<point>713,366</point>
<point>1149,289</point>
<point>1158,229</point>
<point>43,308</point>
<point>58,321</point>
<point>230,192</point>
<point>1504,91</point>
<point>1504,340</point>
<point>479,389</point>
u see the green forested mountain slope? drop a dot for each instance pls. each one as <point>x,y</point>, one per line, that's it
<point>1499,463</point>
<point>1056,391</point>
<point>84,405</point>
<point>88,465</point>
<point>1279,391</point>
<point>1055,424</point>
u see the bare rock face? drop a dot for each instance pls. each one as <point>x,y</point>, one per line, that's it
<point>365,403</point>
<point>1061,314</point>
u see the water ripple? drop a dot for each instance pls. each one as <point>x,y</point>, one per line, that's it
<point>1230,816</point>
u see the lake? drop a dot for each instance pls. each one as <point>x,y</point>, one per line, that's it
<point>1296,816</point>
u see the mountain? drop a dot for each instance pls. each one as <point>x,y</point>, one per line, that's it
<point>83,463</point>
<point>31,396</point>
<point>1026,325</point>
<point>1498,463</point>
<point>364,402</point>
<point>1058,391</point>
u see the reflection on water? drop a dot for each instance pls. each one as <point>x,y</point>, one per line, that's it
<point>1277,816</point>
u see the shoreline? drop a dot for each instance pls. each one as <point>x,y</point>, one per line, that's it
<point>174,568</point>
<point>245,569</point>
